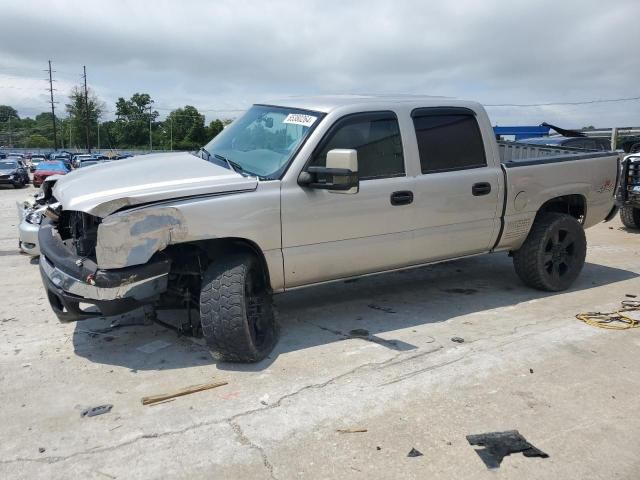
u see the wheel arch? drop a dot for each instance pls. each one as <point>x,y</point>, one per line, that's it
<point>217,247</point>
<point>574,205</point>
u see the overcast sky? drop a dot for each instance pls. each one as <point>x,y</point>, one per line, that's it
<point>221,56</point>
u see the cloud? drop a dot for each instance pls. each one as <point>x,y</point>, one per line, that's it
<point>224,55</point>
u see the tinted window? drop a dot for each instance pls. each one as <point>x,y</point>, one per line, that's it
<point>448,142</point>
<point>375,136</point>
<point>583,143</point>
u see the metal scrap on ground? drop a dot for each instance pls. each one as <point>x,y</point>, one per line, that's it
<point>99,410</point>
<point>185,391</point>
<point>414,453</point>
<point>498,445</point>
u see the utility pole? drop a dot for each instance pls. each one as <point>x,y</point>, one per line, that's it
<point>150,138</point>
<point>86,108</point>
<point>98,134</point>
<point>53,110</point>
<point>10,139</point>
<point>171,132</point>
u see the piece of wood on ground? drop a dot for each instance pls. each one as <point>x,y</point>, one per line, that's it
<point>351,430</point>
<point>185,391</point>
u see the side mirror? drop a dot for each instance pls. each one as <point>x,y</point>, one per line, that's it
<point>340,175</point>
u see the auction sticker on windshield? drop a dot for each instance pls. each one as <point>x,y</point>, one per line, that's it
<point>300,119</point>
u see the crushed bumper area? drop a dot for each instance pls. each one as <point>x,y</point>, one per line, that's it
<point>66,293</point>
<point>71,281</point>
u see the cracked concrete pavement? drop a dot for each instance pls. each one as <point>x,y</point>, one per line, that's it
<point>526,363</point>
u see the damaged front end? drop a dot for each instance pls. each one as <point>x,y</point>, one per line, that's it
<point>70,272</point>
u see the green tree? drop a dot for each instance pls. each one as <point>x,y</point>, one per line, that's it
<point>7,112</point>
<point>77,111</point>
<point>38,141</point>
<point>214,128</point>
<point>186,127</point>
<point>133,117</point>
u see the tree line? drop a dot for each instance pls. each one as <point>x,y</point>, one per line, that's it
<point>135,126</point>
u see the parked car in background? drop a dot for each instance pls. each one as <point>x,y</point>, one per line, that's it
<point>78,159</point>
<point>628,195</point>
<point>62,156</point>
<point>13,172</point>
<point>89,163</point>
<point>35,160</point>
<point>30,217</point>
<point>48,168</point>
<point>582,143</point>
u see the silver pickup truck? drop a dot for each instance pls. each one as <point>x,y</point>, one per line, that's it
<point>311,191</point>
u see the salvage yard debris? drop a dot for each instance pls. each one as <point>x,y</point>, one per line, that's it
<point>414,453</point>
<point>618,320</point>
<point>94,411</point>
<point>498,445</point>
<point>185,391</point>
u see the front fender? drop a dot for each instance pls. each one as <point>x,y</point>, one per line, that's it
<point>132,237</point>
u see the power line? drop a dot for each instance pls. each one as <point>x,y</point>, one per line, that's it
<point>552,104</point>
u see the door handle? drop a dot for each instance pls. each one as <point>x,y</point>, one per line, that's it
<point>481,188</point>
<point>403,197</point>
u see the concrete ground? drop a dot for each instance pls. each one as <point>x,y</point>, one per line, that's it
<point>526,364</point>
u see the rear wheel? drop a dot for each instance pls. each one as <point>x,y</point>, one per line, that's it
<point>630,217</point>
<point>235,310</point>
<point>553,254</point>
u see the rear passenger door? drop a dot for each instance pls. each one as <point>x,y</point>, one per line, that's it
<point>457,204</point>
<point>328,235</point>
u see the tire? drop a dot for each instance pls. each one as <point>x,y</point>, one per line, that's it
<point>630,217</point>
<point>236,313</point>
<point>553,254</point>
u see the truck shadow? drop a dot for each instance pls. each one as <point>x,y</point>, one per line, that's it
<point>367,308</point>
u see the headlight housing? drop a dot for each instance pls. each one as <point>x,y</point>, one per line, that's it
<point>34,218</point>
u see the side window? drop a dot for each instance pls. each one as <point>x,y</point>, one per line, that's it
<point>604,144</point>
<point>448,141</point>
<point>582,143</point>
<point>375,136</point>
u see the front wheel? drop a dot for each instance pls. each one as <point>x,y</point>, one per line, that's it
<point>553,254</point>
<point>630,216</point>
<point>235,309</point>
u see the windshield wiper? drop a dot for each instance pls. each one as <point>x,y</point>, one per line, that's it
<point>234,166</point>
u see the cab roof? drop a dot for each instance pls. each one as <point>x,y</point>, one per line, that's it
<point>329,103</point>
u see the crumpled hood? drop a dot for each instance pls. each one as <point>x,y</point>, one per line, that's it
<point>102,189</point>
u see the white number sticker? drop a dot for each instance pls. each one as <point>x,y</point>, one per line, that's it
<point>300,119</point>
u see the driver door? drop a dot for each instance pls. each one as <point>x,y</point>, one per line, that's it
<point>328,235</point>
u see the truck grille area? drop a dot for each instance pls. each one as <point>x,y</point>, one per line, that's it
<point>632,179</point>
<point>79,230</point>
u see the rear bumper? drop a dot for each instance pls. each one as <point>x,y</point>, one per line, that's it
<point>71,281</point>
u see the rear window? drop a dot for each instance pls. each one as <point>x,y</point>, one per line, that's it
<point>448,140</point>
<point>52,166</point>
<point>7,165</point>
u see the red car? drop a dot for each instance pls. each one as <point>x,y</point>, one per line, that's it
<point>46,169</point>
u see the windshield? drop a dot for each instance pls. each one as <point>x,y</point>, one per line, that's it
<point>262,141</point>
<point>52,166</point>
<point>8,165</point>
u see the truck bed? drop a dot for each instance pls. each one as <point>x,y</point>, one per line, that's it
<point>528,154</point>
